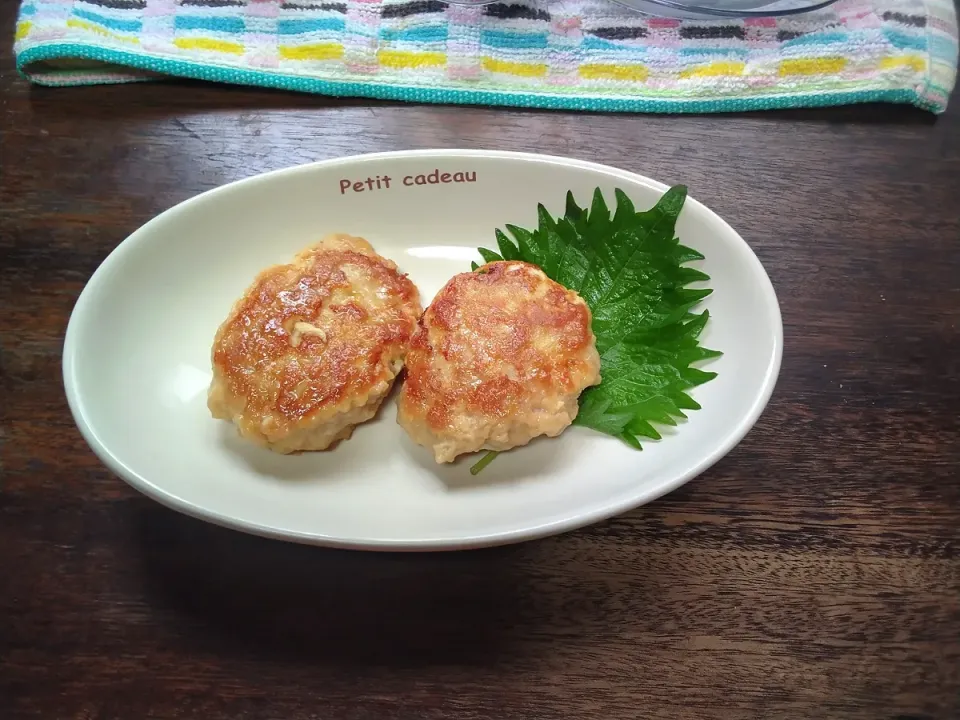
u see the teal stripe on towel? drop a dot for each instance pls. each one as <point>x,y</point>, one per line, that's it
<point>208,22</point>
<point>823,38</point>
<point>595,43</point>
<point>109,22</point>
<point>424,33</point>
<point>905,41</point>
<point>298,27</point>
<point>506,39</point>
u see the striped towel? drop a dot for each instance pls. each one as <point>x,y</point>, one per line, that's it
<point>570,54</point>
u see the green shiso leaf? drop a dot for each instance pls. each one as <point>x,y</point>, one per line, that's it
<point>630,268</point>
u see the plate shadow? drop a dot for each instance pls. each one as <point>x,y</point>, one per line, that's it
<point>227,593</point>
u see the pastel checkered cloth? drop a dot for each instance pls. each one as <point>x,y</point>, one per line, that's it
<point>572,54</point>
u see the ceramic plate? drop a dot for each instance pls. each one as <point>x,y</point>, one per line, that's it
<point>137,357</point>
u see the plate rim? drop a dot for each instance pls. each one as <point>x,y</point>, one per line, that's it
<point>75,402</point>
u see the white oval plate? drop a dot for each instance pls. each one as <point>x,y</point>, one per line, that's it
<point>137,357</point>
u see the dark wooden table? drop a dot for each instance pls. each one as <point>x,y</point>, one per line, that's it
<point>813,573</point>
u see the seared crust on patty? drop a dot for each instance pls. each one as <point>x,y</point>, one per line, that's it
<point>499,357</point>
<point>313,347</point>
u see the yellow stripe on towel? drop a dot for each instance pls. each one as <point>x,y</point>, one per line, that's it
<point>23,29</point>
<point>633,73</point>
<point>202,43</point>
<point>402,59</point>
<point>514,68</point>
<point>94,28</point>
<point>915,62</point>
<point>317,51</point>
<point>812,66</point>
<point>721,68</point>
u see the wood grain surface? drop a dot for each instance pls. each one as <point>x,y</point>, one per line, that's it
<point>812,573</point>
